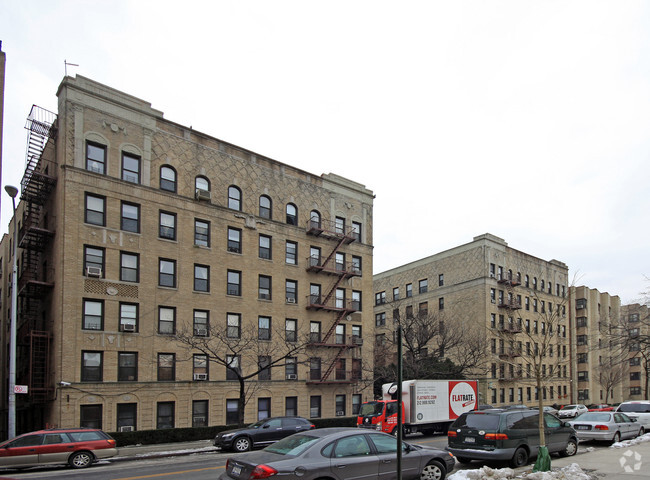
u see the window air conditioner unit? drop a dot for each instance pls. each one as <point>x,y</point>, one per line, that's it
<point>200,376</point>
<point>340,413</point>
<point>291,300</point>
<point>357,340</point>
<point>292,376</point>
<point>94,272</point>
<point>128,327</point>
<point>201,332</point>
<point>491,275</point>
<point>202,194</point>
<point>126,428</point>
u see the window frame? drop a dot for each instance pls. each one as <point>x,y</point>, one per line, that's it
<point>234,198</point>
<point>124,270</point>
<point>165,321</point>
<point>233,324</point>
<point>88,159</point>
<point>172,276</point>
<point>201,284</point>
<point>234,245</point>
<point>88,263</point>
<point>265,211</point>
<point>125,220</point>
<point>167,232</point>
<point>84,314</point>
<point>291,214</point>
<point>265,252</point>
<point>123,317</point>
<point>88,212</point>
<point>201,239</point>
<point>167,184</point>
<point>166,367</point>
<point>125,171</point>
<point>123,370</point>
<point>234,289</point>
<point>92,374</point>
<point>264,324</point>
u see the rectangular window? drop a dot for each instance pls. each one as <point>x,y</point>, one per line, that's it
<point>166,320</point>
<point>356,369</point>
<point>129,267</point>
<point>314,294</point>
<point>291,368</point>
<point>409,290</point>
<point>441,280</point>
<point>380,319</point>
<point>291,253</point>
<point>167,225</point>
<point>356,301</point>
<point>314,406</point>
<point>90,416</point>
<point>291,291</point>
<point>201,323</point>
<point>234,283</point>
<point>263,408</point>
<point>130,217</point>
<point>355,266</point>
<point>96,158</point>
<point>166,367</point>
<point>165,415</point>
<point>128,317</point>
<point>201,278</point>
<point>201,233</point>
<point>356,403</point>
<point>167,272</point>
<point>264,328</point>
<point>380,298</point>
<point>291,329</point>
<point>264,287</point>
<point>233,329</point>
<point>441,303</point>
<point>127,416</point>
<point>264,367</point>
<point>232,411</point>
<point>92,366</point>
<point>95,213</point>
<point>423,286</point>
<point>233,367</point>
<point>291,406</point>
<point>356,231</point>
<point>130,168</point>
<point>339,405</point>
<point>234,240</point>
<point>395,293</point>
<point>635,376</point>
<point>93,261</point>
<point>339,225</point>
<point>199,413</point>
<point>340,298</point>
<point>635,391</point>
<point>265,247</point>
<point>200,367</point>
<point>127,366</point>
<point>314,368</point>
<point>93,316</point>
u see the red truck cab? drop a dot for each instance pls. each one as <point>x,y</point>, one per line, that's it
<point>379,415</point>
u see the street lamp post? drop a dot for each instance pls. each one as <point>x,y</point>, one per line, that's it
<point>11,420</point>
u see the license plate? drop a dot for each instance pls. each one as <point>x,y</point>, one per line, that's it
<point>583,427</point>
<point>236,470</point>
<point>470,440</point>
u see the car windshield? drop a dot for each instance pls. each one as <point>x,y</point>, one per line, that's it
<point>594,417</point>
<point>371,408</point>
<point>293,445</point>
<point>634,407</point>
<point>258,424</point>
<point>568,407</point>
<point>477,420</point>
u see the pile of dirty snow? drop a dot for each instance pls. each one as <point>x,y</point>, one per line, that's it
<point>571,472</point>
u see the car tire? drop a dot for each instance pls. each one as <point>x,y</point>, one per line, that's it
<point>433,471</point>
<point>617,438</point>
<point>641,432</point>
<point>81,459</point>
<point>464,460</point>
<point>520,458</point>
<point>570,450</point>
<point>242,444</point>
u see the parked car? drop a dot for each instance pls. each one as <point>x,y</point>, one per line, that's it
<point>508,435</point>
<point>340,454</point>
<point>600,407</point>
<point>78,447</point>
<point>572,411</point>
<point>639,409</point>
<point>262,433</point>
<point>606,426</point>
<point>550,410</point>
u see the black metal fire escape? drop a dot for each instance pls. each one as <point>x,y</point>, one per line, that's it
<point>339,307</point>
<point>35,279</point>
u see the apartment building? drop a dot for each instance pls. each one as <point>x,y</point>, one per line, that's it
<point>511,301</point>
<point>141,240</point>
<point>636,319</point>
<point>599,372</point>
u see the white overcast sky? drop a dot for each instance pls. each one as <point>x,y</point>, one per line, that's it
<point>525,119</point>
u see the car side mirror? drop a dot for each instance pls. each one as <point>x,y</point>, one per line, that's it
<point>634,419</point>
<point>266,426</point>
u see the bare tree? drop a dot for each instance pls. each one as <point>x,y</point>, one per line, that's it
<point>610,374</point>
<point>247,353</point>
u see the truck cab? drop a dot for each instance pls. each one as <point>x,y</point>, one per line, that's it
<point>378,415</point>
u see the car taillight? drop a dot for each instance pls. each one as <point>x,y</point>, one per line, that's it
<point>312,426</point>
<point>111,442</point>
<point>263,471</point>
<point>496,436</point>
<point>451,433</point>
<point>601,427</point>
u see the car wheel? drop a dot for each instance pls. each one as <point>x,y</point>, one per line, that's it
<point>641,432</point>
<point>433,471</point>
<point>464,460</point>
<point>81,460</point>
<point>617,438</point>
<point>242,444</point>
<point>520,458</point>
<point>570,450</point>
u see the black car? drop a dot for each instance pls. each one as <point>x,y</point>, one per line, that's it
<point>262,433</point>
<point>508,435</point>
<point>339,454</point>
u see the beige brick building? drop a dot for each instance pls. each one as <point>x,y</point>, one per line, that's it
<point>134,229</point>
<point>515,301</point>
<point>635,380</point>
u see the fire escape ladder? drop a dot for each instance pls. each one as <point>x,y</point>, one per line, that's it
<point>332,290</point>
<point>332,365</point>
<point>332,329</point>
<point>39,366</point>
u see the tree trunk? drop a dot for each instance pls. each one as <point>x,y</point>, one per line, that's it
<point>241,401</point>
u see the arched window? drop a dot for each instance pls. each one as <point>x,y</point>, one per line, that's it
<point>292,214</point>
<point>202,183</point>
<point>167,178</point>
<point>314,219</point>
<point>265,207</point>
<point>234,198</point>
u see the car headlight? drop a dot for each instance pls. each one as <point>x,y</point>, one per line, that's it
<point>226,436</point>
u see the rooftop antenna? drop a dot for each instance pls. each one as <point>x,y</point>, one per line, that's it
<point>65,63</point>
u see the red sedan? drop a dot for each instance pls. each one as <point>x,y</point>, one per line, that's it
<point>602,407</point>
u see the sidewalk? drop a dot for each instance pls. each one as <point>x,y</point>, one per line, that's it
<point>629,460</point>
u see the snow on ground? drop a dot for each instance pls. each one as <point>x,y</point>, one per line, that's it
<point>571,472</point>
<point>634,441</point>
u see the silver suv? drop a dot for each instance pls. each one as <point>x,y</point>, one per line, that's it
<point>637,409</point>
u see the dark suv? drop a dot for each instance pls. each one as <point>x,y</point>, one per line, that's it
<point>508,435</point>
<point>262,433</point>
